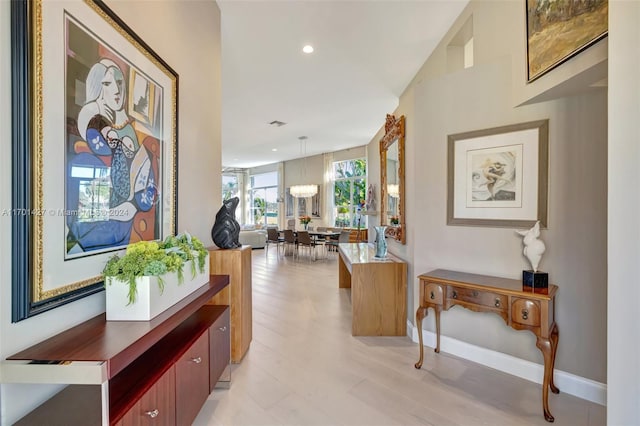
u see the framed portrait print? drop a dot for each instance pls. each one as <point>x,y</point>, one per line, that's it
<point>94,154</point>
<point>498,177</point>
<point>558,30</point>
<point>315,204</point>
<point>288,198</point>
<point>302,206</point>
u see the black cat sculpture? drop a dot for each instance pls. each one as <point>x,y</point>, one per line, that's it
<point>226,229</point>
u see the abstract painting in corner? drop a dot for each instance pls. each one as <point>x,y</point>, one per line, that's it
<point>559,29</point>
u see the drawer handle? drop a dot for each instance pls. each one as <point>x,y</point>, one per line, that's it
<point>455,294</point>
<point>223,328</point>
<point>153,413</point>
<point>525,314</point>
<point>433,296</point>
<point>475,293</point>
<point>497,303</point>
<point>197,360</point>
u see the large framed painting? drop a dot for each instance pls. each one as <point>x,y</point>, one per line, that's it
<point>315,203</point>
<point>288,202</point>
<point>302,206</point>
<point>559,29</point>
<point>94,148</point>
<point>498,177</point>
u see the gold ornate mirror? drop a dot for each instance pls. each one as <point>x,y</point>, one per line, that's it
<point>392,178</point>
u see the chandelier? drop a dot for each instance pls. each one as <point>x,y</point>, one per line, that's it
<point>303,191</point>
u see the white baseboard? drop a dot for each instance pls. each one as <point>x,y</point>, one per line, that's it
<point>568,383</point>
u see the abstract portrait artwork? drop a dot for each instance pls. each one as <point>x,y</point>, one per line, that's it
<point>113,150</point>
<point>94,148</point>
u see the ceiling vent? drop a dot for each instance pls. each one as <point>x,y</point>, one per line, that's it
<point>277,123</point>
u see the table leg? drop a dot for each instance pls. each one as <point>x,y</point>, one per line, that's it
<point>420,314</point>
<point>545,346</point>
<point>437,310</point>
<point>554,348</point>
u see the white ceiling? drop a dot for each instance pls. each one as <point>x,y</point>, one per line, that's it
<point>366,53</point>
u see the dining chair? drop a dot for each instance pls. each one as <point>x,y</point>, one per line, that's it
<point>332,245</point>
<point>273,237</point>
<point>290,241</point>
<point>304,240</point>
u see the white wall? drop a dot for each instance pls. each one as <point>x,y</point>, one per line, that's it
<point>623,346</point>
<point>192,48</point>
<point>437,104</point>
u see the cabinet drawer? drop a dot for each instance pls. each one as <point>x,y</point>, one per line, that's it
<point>192,380</point>
<point>526,312</point>
<point>219,348</point>
<point>477,297</point>
<point>157,406</point>
<point>433,293</point>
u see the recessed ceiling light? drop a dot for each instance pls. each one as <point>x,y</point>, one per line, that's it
<point>307,49</point>
<point>274,149</point>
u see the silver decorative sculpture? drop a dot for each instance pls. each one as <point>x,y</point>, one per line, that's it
<point>533,247</point>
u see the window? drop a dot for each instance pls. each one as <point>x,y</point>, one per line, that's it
<point>349,192</point>
<point>94,192</point>
<point>230,189</point>
<point>263,204</point>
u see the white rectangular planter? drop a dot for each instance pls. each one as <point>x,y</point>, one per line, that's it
<point>150,300</point>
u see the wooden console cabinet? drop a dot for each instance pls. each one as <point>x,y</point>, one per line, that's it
<point>237,264</point>
<point>521,308</point>
<point>131,372</point>
<point>378,290</point>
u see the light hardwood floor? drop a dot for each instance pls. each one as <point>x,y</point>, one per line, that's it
<point>305,368</point>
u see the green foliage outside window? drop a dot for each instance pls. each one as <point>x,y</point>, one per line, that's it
<point>350,190</point>
<point>259,208</point>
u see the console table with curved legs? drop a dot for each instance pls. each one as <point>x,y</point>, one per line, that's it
<point>522,308</point>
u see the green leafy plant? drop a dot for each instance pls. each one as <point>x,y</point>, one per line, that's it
<point>151,258</point>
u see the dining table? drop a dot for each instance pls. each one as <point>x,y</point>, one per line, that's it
<point>317,235</point>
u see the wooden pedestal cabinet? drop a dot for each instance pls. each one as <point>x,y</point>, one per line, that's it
<point>237,264</point>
